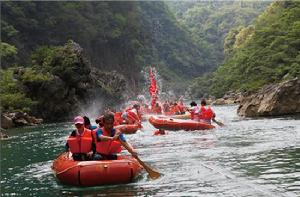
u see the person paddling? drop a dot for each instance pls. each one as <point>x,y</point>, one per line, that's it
<point>80,142</point>
<point>206,114</point>
<point>107,140</point>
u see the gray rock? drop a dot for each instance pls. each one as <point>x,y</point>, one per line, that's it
<point>3,136</point>
<point>272,100</point>
<point>228,99</point>
<point>6,122</point>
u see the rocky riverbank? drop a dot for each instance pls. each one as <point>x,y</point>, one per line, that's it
<point>272,100</point>
<point>16,119</point>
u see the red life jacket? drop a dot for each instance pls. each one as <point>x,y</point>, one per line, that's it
<point>132,117</point>
<point>118,118</point>
<point>157,109</point>
<point>181,108</point>
<point>81,144</point>
<point>206,114</point>
<point>107,147</point>
<point>175,110</point>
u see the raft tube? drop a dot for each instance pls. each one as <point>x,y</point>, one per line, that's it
<point>127,128</point>
<point>93,173</point>
<point>167,123</point>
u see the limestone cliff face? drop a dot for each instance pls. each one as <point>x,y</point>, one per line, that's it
<point>72,84</point>
<point>272,100</point>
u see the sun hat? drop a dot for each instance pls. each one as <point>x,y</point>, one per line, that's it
<point>78,120</point>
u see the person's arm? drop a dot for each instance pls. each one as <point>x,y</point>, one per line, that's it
<point>101,137</point>
<point>131,149</point>
<point>134,153</point>
<point>118,134</point>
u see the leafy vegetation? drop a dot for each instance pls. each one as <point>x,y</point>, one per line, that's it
<point>114,35</point>
<point>8,54</point>
<point>11,96</point>
<point>259,54</point>
<point>210,21</point>
<point>120,39</point>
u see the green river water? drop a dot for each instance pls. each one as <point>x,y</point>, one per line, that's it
<point>248,157</point>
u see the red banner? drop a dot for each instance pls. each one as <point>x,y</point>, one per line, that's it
<point>153,88</point>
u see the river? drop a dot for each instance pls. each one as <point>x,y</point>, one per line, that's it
<point>248,157</point>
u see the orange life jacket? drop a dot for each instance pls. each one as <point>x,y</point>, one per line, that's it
<point>157,109</point>
<point>181,107</point>
<point>206,114</point>
<point>132,117</point>
<point>118,118</point>
<point>81,144</point>
<point>107,147</point>
<point>173,110</point>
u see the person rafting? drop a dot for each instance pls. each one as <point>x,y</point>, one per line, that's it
<point>206,114</point>
<point>87,123</point>
<point>107,140</point>
<point>80,142</point>
<point>174,109</point>
<point>132,115</point>
<point>166,107</point>
<point>194,110</point>
<point>181,106</point>
<point>160,132</point>
<point>157,109</point>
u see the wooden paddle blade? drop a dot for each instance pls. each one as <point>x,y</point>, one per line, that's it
<point>152,173</point>
<point>218,123</point>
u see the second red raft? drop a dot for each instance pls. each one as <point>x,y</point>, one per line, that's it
<point>167,123</point>
<point>128,128</point>
<point>92,173</point>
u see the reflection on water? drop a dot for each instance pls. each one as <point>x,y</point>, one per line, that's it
<point>248,157</point>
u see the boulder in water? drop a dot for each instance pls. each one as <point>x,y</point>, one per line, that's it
<point>16,119</point>
<point>272,100</point>
<point>3,136</point>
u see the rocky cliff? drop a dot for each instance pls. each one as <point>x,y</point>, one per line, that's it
<point>272,100</point>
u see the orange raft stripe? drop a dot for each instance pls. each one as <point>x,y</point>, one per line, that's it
<point>162,122</point>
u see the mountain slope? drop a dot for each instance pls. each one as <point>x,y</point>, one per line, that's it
<point>121,36</point>
<point>266,52</point>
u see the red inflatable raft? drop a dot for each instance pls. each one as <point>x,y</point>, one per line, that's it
<point>92,173</point>
<point>167,123</point>
<point>127,128</point>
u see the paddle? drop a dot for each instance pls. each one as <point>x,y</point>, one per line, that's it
<point>152,173</point>
<point>218,122</point>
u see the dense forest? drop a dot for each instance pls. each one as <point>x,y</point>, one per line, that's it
<point>114,35</point>
<point>208,22</point>
<point>79,52</point>
<point>121,37</point>
<point>263,52</point>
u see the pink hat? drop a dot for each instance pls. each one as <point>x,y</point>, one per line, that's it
<point>78,120</point>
